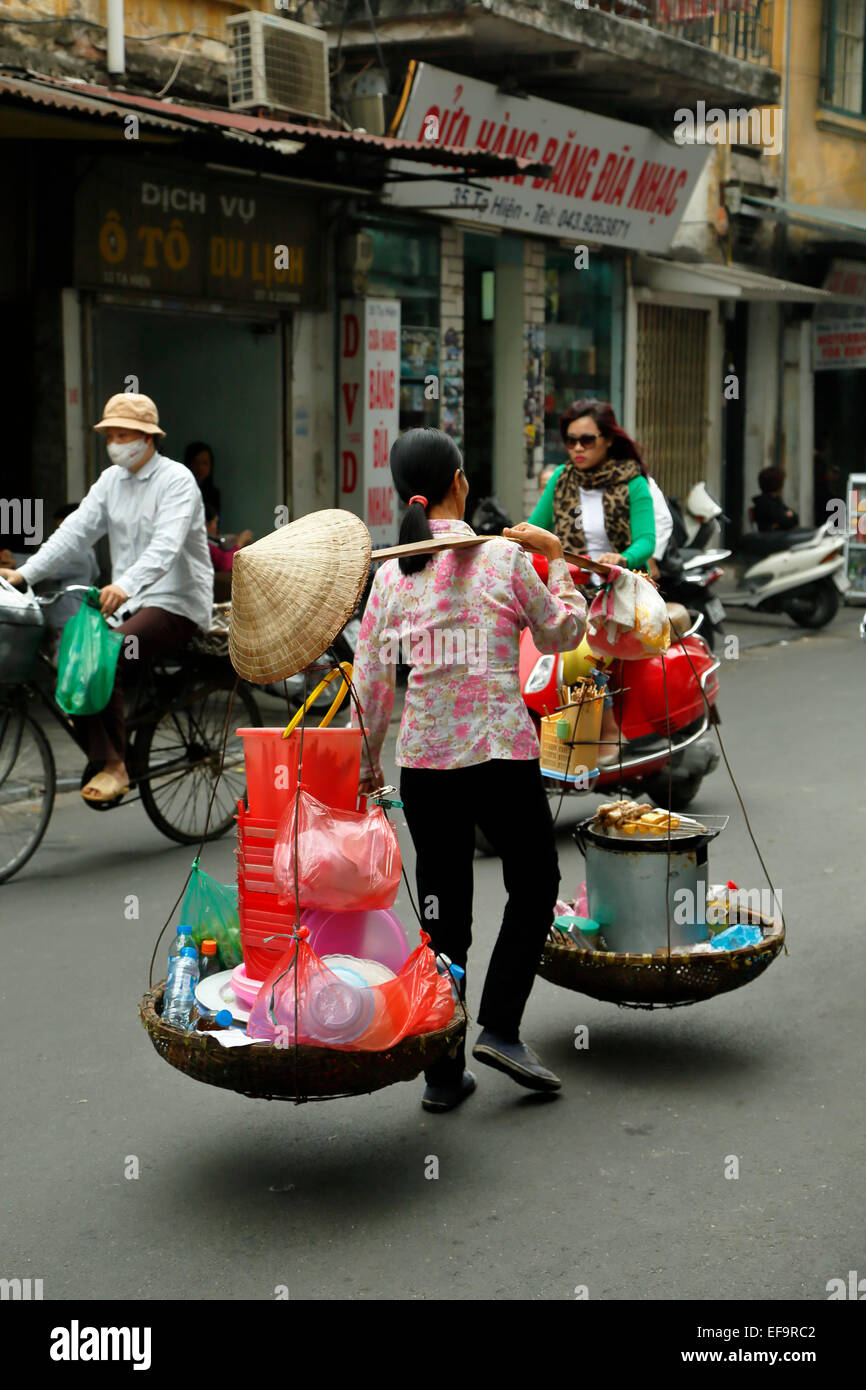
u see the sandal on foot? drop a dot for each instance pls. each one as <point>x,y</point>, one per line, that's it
<point>105,786</point>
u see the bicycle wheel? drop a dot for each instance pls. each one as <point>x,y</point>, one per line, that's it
<point>177,760</point>
<point>28,781</point>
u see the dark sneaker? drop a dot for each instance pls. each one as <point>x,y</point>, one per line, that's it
<point>516,1060</point>
<point>446,1097</point>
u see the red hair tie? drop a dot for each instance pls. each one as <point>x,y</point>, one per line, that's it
<point>422,500</point>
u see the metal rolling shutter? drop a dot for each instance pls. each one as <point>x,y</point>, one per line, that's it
<point>671,395</point>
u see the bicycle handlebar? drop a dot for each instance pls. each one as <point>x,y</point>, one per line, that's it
<point>43,600</point>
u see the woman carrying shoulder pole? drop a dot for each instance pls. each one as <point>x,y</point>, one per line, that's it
<point>467,748</point>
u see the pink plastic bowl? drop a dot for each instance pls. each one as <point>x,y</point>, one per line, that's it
<point>374,935</point>
<point>245,988</point>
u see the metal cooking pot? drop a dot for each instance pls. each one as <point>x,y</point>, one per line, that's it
<point>630,886</point>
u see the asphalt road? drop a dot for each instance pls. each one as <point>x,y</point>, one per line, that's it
<point>617,1184</point>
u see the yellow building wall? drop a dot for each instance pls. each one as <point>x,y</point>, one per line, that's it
<point>826,161</point>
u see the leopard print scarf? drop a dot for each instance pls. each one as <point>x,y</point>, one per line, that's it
<point>613,475</point>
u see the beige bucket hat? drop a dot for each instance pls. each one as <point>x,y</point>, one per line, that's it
<point>129,411</point>
<point>293,591</point>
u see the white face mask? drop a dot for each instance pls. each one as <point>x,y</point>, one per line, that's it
<point>128,455</point>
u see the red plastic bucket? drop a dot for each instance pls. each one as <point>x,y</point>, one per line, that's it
<point>331,770</point>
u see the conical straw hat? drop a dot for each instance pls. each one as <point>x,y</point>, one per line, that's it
<point>293,591</point>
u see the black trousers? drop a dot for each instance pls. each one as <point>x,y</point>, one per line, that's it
<point>507,800</point>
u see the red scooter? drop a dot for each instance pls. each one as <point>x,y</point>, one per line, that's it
<point>659,706</point>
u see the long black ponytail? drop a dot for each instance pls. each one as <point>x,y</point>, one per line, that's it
<point>423,464</point>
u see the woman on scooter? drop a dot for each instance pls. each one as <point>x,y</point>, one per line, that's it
<point>467,749</point>
<point>598,503</point>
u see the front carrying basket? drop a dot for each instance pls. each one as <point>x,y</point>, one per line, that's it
<point>296,1072</point>
<point>659,981</point>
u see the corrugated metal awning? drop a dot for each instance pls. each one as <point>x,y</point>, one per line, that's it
<point>284,137</point>
<point>69,99</point>
<point>720,281</point>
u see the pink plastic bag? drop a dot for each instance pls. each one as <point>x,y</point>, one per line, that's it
<point>331,1013</point>
<point>347,860</point>
<point>628,618</point>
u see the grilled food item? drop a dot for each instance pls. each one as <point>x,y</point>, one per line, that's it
<point>631,818</point>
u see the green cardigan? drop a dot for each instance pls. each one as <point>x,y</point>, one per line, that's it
<point>641,518</point>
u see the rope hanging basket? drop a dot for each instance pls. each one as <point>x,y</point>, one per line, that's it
<point>660,980</point>
<point>264,1072</point>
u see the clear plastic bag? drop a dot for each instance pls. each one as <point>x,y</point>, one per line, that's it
<point>334,1014</point>
<point>347,860</point>
<point>628,619</point>
<point>210,909</point>
<point>87,660</point>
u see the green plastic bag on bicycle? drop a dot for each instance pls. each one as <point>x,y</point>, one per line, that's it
<point>210,909</point>
<point>87,661</point>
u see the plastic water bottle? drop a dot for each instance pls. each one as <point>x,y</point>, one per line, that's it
<point>180,990</point>
<point>183,937</point>
<point>445,966</point>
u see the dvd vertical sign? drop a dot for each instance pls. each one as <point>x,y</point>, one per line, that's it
<point>369,411</point>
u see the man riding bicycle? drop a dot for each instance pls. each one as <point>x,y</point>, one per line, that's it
<point>161,572</point>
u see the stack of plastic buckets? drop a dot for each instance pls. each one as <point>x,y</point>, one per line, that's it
<point>331,770</point>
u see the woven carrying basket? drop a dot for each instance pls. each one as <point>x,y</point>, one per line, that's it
<point>262,1071</point>
<point>580,749</point>
<point>659,981</point>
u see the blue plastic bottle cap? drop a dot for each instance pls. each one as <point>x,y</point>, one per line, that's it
<point>224,1018</point>
<point>457,971</point>
<point>188,951</point>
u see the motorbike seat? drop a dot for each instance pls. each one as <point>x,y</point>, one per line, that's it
<point>769,542</point>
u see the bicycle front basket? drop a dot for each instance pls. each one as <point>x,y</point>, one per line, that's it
<point>21,625</point>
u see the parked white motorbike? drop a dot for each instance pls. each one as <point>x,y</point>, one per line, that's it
<point>700,517</point>
<point>801,573</point>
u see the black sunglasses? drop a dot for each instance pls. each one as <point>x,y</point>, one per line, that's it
<point>585,439</point>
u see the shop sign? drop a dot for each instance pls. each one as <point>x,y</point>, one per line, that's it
<point>369,411</point>
<point>839,344</point>
<point>610,182</point>
<point>179,234</point>
<point>847,277</point>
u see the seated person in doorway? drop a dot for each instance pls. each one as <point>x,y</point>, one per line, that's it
<point>223,549</point>
<point>771,514</point>
<point>198,458</point>
<point>161,573</point>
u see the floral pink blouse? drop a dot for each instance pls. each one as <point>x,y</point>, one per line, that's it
<point>457,623</point>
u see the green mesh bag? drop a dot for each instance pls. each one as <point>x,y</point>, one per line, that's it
<point>210,909</point>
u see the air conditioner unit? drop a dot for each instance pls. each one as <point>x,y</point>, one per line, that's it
<point>278,64</point>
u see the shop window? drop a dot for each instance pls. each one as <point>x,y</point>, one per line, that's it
<point>844,55</point>
<point>582,338</point>
<point>406,267</point>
